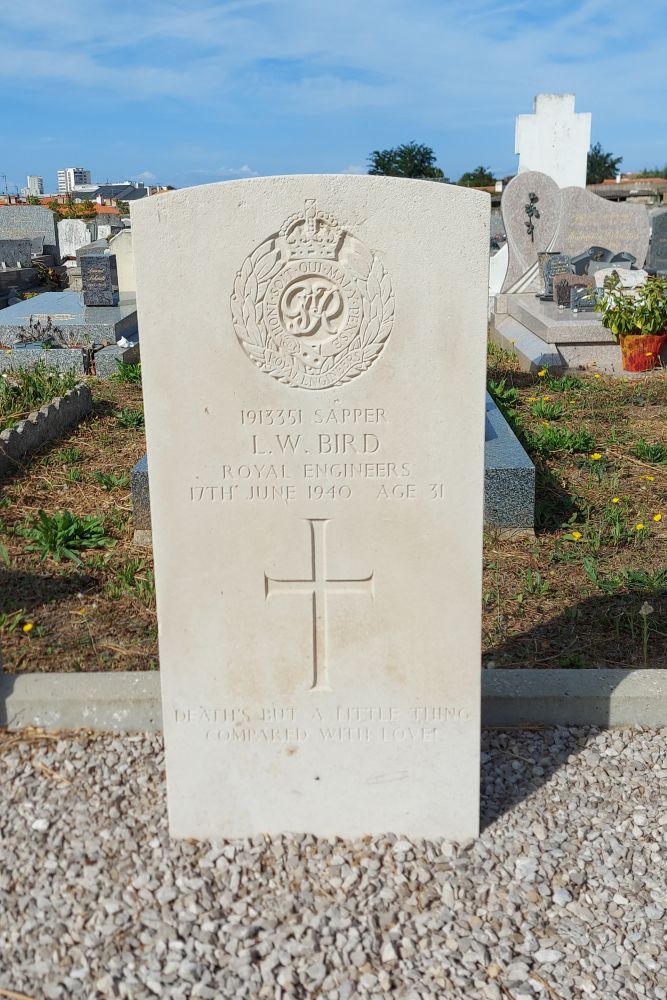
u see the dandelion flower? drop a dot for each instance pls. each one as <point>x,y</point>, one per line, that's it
<point>640,526</point>
<point>615,499</point>
<point>542,373</point>
<point>28,627</point>
<point>649,479</point>
<point>596,456</point>
<point>532,399</point>
<point>657,517</point>
<point>597,375</point>
<point>546,398</point>
<point>576,535</point>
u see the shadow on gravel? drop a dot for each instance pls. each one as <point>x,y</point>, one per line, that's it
<point>518,764</point>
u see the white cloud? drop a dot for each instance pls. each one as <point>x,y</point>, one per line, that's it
<point>145,175</point>
<point>354,168</point>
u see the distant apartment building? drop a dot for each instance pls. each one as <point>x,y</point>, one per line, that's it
<point>72,177</point>
<point>35,186</point>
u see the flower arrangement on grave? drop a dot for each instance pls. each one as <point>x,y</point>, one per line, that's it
<point>637,319</point>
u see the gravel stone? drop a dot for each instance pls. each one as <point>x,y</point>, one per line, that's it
<point>563,894</point>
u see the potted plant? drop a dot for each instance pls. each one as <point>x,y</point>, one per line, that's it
<point>637,318</point>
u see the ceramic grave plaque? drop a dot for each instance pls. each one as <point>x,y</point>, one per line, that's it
<point>563,284</point>
<point>315,431</point>
<point>556,265</point>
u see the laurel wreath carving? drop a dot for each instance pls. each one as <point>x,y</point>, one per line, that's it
<point>250,287</point>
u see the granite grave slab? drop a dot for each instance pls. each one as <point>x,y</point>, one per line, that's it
<point>27,222</point>
<point>15,254</point>
<point>316,500</point>
<point>99,280</point>
<point>75,324</point>
<point>657,258</point>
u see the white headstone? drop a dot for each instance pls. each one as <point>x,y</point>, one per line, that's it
<point>554,140</point>
<point>72,235</point>
<point>121,246</point>
<point>313,364</point>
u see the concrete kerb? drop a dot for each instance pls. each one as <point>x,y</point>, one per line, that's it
<point>130,702</point>
<point>43,426</point>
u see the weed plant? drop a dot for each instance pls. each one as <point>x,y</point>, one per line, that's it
<point>127,374</point>
<point>63,535</point>
<point>131,419</point>
<point>23,391</point>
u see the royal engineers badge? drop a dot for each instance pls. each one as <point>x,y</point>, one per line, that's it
<point>312,306</point>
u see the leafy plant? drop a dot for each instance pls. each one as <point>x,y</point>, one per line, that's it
<point>25,390</point>
<point>64,534</point>
<point>548,440</point>
<point>136,579</point>
<point>546,410</point>
<point>563,383</point>
<point>655,453</point>
<point>131,419</point>
<point>129,374</point>
<point>68,456</point>
<point>112,480</point>
<point>639,311</point>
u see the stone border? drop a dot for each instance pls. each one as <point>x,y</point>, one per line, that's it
<point>42,426</point>
<point>130,701</point>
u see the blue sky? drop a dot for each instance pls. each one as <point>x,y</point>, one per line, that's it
<point>189,91</point>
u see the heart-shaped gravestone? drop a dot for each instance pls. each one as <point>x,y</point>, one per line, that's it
<point>531,206</point>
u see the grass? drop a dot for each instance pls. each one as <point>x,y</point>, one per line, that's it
<point>571,597</point>
<point>23,391</point>
<point>127,374</point>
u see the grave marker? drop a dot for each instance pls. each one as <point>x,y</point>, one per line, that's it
<point>315,426</point>
<point>15,254</point>
<point>99,279</point>
<point>657,258</point>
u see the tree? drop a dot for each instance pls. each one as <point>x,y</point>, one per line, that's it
<point>86,210</point>
<point>601,166</point>
<point>32,199</point>
<point>656,172</point>
<point>479,177</point>
<point>409,160</point>
<point>123,207</point>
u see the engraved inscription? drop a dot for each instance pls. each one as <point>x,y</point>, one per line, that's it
<point>318,586</point>
<point>312,306</point>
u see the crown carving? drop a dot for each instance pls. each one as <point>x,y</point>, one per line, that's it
<point>312,235</point>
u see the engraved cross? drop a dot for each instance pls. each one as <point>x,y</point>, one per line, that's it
<point>318,587</point>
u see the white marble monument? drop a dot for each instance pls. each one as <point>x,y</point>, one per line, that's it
<point>554,140</point>
<point>72,235</point>
<point>314,351</point>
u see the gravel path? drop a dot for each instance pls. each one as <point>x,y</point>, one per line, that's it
<point>563,896</point>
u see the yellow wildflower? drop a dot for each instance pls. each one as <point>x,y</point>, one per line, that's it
<point>597,375</point>
<point>576,535</point>
<point>28,627</point>
<point>596,456</point>
<point>532,399</point>
<point>649,479</point>
<point>542,373</point>
<point>546,398</point>
<point>615,499</point>
<point>657,517</point>
<point>640,526</point>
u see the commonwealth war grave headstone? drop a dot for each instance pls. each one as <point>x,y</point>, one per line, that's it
<point>316,500</point>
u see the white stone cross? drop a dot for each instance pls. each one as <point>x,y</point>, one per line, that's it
<point>554,140</point>
<point>318,586</point>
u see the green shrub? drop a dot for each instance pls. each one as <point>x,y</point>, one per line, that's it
<point>547,440</point>
<point>128,374</point>
<point>655,453</point>
<point>62,534</point>
<point>131,419</point>
<point>24,390</point>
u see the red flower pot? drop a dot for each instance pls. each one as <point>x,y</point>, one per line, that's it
<point>641,352</point>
